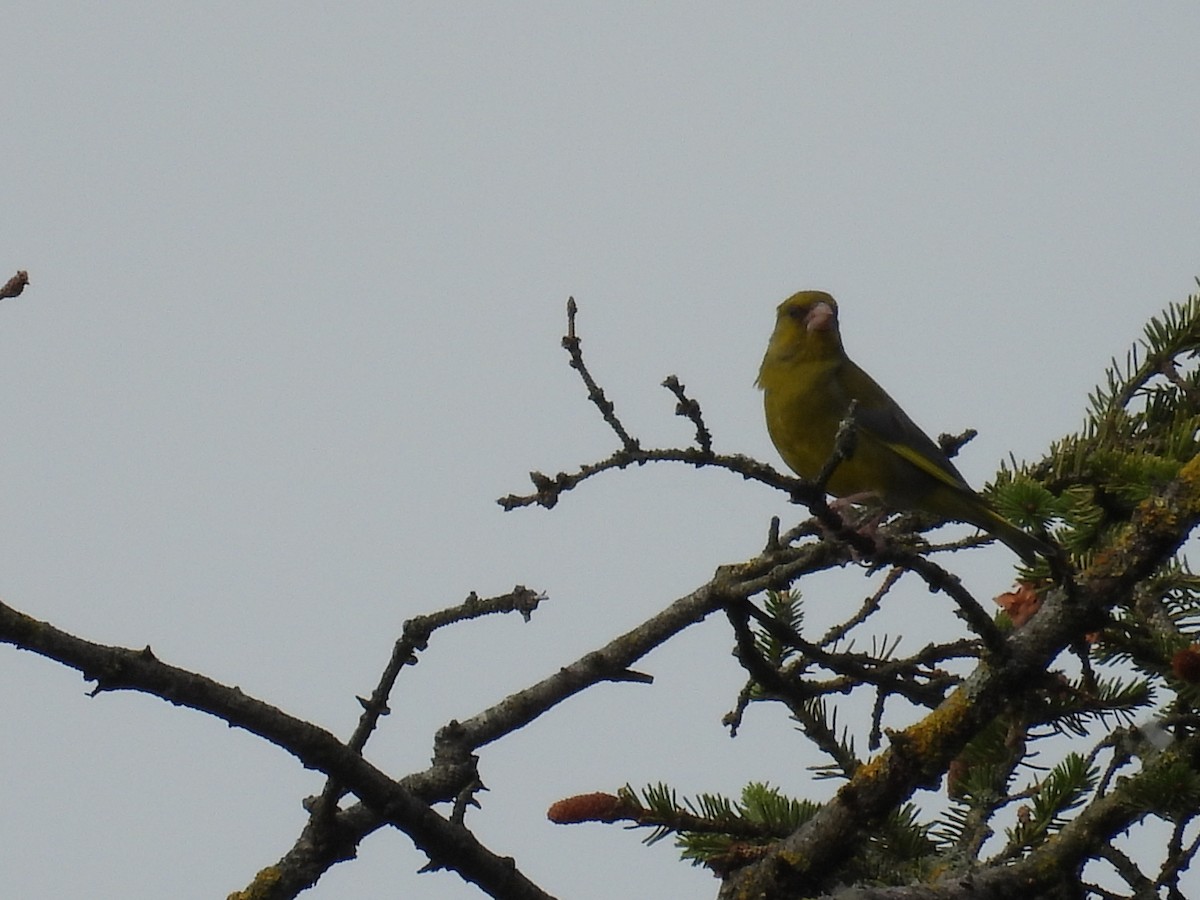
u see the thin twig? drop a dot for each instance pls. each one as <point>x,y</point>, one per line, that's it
<point>690,410</point>
<point>572,344</point>
<point>869,608</point>
<point>790,691</point>
<point>416,634</point>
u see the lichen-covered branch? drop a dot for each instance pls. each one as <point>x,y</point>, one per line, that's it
<point>919,755</point>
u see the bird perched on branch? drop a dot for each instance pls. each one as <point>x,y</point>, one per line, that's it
<point>808,386</point>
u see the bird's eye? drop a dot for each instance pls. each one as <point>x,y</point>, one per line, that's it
<point>799,313</point>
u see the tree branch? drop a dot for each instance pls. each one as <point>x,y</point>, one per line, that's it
<point>918,755</point>
<point>116,668</point>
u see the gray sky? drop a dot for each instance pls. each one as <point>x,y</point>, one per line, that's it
<point>298,278</point>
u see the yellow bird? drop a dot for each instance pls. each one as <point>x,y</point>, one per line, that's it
<point>808,383</point>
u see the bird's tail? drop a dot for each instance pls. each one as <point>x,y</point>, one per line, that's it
<point>1022,543</point>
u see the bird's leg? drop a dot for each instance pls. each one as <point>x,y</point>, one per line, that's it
<point>862,498</point>
<point>872,517</point>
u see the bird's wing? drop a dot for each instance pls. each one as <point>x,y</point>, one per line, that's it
<point>879,416</point>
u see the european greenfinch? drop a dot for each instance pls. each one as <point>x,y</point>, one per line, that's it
<point>808,383</point>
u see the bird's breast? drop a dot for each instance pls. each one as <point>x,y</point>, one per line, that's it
<point>803,411</point>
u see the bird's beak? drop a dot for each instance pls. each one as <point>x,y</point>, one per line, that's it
<point>820,318</point>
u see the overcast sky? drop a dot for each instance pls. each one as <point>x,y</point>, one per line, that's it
<point>298,282</point>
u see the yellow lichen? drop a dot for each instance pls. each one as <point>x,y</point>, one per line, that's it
<point>264,881</point>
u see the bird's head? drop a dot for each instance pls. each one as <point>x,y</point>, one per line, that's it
<point>806,328</point>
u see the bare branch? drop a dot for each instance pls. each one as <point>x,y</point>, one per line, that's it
<point>572,343</point>
<point>690,409</point>
<point>116,668</point>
